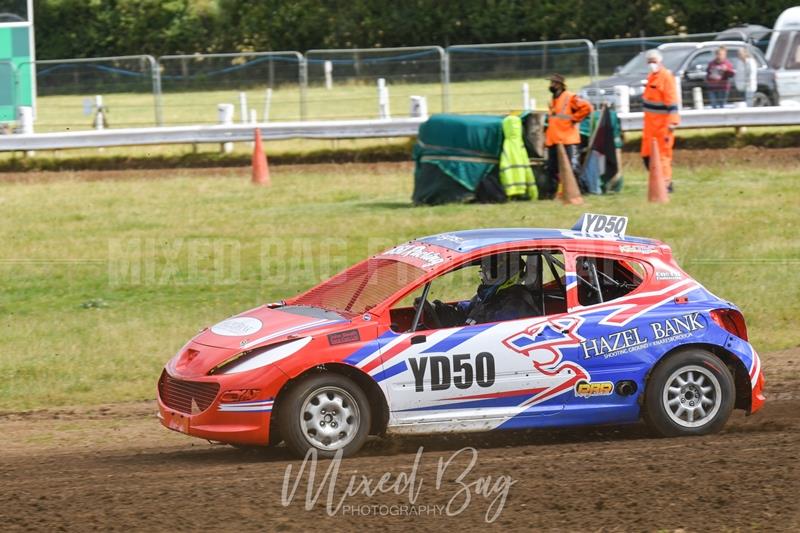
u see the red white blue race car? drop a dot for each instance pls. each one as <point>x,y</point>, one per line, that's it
<point>476,330</point>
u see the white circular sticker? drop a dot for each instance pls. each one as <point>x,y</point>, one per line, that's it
<point>237,327</point>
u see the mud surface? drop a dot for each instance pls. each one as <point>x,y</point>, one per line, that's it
<point>114,467</point>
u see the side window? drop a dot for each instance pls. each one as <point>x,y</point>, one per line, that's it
<point>546,280</point>
<point>602,279</point>
<point>700,61</point>
<point>779,50</point>
<point>793,58</point>
<point>498,287</point>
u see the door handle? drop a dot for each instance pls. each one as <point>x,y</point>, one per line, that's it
<point>418,339</point>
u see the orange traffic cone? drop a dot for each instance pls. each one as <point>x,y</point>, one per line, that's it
<point>656,187</point>
<point>571,193</point>
<point>260,164</point>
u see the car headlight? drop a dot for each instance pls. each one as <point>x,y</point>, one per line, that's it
<point>636,90</point>
<point>261,357</point>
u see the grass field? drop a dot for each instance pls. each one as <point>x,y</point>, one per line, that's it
<point>344,101</point>
<point>104,280</point>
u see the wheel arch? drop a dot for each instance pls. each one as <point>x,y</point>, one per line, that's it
<point>741,378</point>
<point>375,396</point>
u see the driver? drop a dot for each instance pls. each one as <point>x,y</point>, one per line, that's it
<point>500,296</point>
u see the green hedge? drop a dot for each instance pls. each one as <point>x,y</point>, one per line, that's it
<point>92,28</point>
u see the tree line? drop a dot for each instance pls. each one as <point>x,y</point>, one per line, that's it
<point>93,28</point>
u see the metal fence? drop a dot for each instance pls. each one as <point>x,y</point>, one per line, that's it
<point>481,77</point>
<point>66,88</point>
<point>331,84</point>
<point>344,83</point>
<point>614,54</point>
<point>193,85</point>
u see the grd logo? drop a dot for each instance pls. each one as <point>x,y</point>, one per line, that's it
<point>586,389</point>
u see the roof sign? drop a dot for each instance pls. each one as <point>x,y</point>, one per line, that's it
<point>594,225</point>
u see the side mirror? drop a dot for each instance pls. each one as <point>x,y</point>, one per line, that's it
<point>617,70</point>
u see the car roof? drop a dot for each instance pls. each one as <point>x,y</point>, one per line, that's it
<point>695,45</point>
<point>471,240</point>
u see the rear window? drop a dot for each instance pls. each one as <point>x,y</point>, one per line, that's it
<point>602,280</point>
<point>362,287</point>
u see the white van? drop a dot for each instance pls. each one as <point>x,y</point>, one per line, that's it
<point>783,54</point>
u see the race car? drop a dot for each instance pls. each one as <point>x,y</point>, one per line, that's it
<point>608,330</point>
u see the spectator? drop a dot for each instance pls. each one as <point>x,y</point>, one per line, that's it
<point>718,78</point>
<point>566,111</point>
<point>746,76</point>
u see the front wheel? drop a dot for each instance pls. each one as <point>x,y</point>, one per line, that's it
<point>326,412</point>
<point>689,393</point>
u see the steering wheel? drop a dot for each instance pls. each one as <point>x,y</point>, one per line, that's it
<point>429,317</point>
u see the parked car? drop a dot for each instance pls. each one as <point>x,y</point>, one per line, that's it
<point>688,61</point>
<point>614,331</point>
<point>783,55</point>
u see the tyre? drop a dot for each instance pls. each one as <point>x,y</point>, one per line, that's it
<point>691,392</point>
<point>327,412</point>
<point>761,100</point>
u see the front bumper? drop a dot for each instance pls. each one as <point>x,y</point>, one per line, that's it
<point>757,398</point>
<point>231,423</point>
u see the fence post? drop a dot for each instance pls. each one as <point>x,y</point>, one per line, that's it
<point>526,97</point>
<point>225,114</point>
<point>384,112</point>
<point>303,85</point>
<point>100,113</point>
<point>155,70</point>
<point>243,107</point>
<point>419,107</point>
<point>594,64</point>
<point>444,56</point>
<point>328,75</point>
<point>697,97</point>
<point>267,105</point>
<point>622,98</point>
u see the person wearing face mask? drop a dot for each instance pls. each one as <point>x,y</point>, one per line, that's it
<point>660,106</point>
<point>566,111</point>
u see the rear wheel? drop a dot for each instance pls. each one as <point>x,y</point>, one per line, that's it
<point>327,412</point>
<point>761,100</point>
<point>689,393</point>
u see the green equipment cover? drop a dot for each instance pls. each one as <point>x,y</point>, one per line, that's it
<point>456,159</point>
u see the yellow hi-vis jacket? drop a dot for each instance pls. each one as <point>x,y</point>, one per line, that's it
<point>516,176</point>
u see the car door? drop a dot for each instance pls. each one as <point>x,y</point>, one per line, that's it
<point>487,374</point>
<point>695,74</point>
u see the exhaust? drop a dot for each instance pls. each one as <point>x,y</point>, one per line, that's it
<point>626,387</point>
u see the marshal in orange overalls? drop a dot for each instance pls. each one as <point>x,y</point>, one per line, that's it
<point>660,105</point>
<point>566,112</point>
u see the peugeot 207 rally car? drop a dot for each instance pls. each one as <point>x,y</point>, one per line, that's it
<point>620,333</point>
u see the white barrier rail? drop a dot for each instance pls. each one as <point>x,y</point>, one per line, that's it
<point>329,129</point>
<point>348,129</point>
<point>723,118</point>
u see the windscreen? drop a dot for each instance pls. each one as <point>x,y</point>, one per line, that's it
<point>672,60</point>
<point>362,287</point>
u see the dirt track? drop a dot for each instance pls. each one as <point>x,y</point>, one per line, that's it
<point>748,156</point>
<point>114,467</point>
